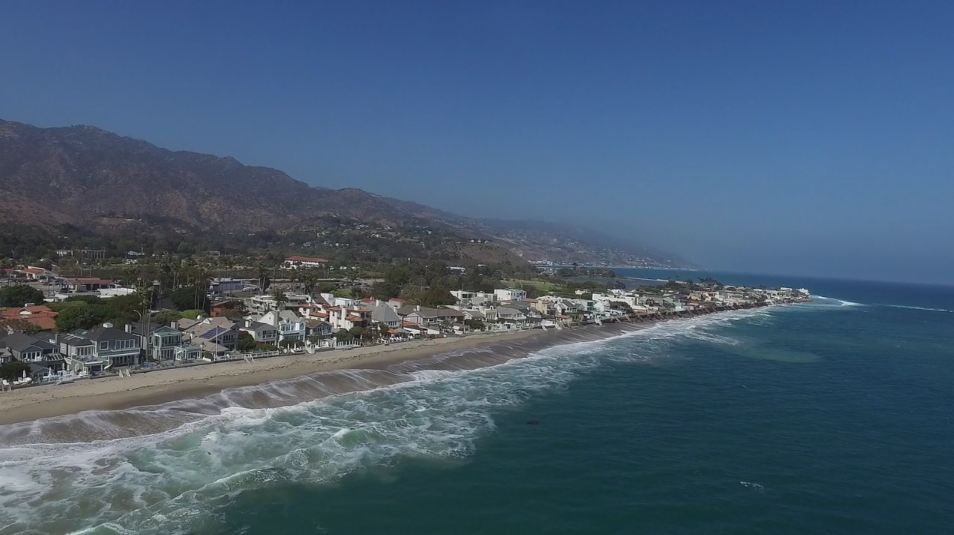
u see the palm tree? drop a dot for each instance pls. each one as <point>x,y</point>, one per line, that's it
<point>280,299</point>
<point>263,279</point>
<point>309,280</point>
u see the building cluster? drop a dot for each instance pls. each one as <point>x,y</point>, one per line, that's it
<point>298,322</point>
<point>61,288</point>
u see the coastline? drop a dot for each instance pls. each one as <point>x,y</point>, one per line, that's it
<point>163,386</point>
<point>390,364</point>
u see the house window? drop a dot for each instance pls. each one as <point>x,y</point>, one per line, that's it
<point>104,345</point>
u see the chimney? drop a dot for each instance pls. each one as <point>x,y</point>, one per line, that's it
<point>128,328</point>
<point>417,308</point>
<point>172,324</point>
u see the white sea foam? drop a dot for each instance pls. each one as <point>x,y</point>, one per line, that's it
<point>925,309</point>
<point>172,480</point>
<point>758,487</point>
<point>841,302</point>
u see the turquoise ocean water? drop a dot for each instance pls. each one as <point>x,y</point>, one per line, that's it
<point>835,416</point>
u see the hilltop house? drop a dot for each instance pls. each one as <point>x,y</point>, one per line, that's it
<point>297,262</point>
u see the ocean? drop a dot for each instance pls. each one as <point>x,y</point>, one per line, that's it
<point>834,416</point>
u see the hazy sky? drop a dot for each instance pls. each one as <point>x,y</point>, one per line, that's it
<point>802,137</point>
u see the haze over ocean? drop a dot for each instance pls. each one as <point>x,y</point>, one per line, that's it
<point>831,416</point>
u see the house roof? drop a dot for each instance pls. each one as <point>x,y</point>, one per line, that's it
<point>284,315</point>
<point>383,313</point>
<point>213,333</point>
<point>40,316</point>
<point>475,314</point>
<point>75,339</point>
<point>259,326</point>
<point>20,342</point>
<point>428,312</point>
<point>102,334</point>
<point>197,327</point>
<point>315,259</point>
<point>137,329</point>
<point>507,311</point>
<point>319,300</point>
<point>212,347</point>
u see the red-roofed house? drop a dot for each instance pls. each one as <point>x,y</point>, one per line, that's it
<point>34,273</point>
<point>295,262</point>
<point>39,316</point>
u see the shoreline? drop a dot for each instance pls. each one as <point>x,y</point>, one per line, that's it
<point>159,387</point>
<point>167,385</point>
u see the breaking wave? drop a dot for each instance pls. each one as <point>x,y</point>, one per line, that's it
<point>175,479</point>
<point>841,302</point>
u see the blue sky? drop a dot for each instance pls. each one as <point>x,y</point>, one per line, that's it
<point>805,137</point>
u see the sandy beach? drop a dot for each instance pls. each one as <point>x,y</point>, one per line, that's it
<point>160,386</point>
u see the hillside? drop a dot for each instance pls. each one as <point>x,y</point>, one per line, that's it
<point>94,181</point>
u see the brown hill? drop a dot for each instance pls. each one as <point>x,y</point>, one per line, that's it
<point>82,175</point>
<point>91,179</point>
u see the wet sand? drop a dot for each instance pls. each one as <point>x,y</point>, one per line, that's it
<point>162,386</point>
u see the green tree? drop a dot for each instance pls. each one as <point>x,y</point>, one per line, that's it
<point>165,317</point>
<point>80,315</point>
<point>308,279</point>
<point>263,279</point>
<point>280,299</point>
<point>17,296</point>
<point>475,324</point>
<point>189,298</point>
<point>14,370</point>
<point>344,336</point>
<point>246,342</point>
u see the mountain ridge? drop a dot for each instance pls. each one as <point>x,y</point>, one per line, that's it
<point>101,181</point>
